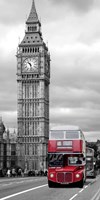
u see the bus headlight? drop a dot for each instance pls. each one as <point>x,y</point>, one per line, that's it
<point>77,175</point>
<point>51,175</point>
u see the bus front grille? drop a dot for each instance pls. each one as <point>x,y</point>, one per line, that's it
<point>68,177</point>
<point>64,177</point>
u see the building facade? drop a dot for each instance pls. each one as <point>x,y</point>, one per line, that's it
<point>33,78</point>
<point>2,129</point>
<point>8,157</point>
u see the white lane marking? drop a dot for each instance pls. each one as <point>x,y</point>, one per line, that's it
<point>81,190</point>
<point>25,191</point>
<point>86,186</point>
<point>98,197</point>
<point>96,194</point>
<point>73,197</point>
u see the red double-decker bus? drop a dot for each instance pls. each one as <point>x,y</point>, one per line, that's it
<point>66,156</point>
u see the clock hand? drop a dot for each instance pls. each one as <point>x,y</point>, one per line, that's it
<point>29,64</point>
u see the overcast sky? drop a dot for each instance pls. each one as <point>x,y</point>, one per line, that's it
<point>72,30</point>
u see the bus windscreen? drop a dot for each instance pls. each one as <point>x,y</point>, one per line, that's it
<point>55,160</point>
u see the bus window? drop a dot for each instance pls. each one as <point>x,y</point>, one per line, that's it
<point>79,161</point>
<point>72,135</point>
<point>55,160</point>
<point>54,135</point>
<point>89,166</point>
<point>75,161</point>
<point>88,159</point>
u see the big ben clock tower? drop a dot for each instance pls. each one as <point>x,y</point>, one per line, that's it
<point>33,78</point>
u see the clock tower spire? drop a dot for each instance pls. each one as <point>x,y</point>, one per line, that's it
<point>33,17</point>
<point>33,78</point>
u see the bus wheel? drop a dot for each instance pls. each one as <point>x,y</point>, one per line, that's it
<point>50,184</point>
<point>81,183</point>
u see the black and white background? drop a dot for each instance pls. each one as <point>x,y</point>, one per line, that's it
<point>71,28</point>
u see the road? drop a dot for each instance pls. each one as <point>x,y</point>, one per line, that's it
<point>36,188</point>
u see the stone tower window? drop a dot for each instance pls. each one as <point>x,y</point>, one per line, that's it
<point>25,50</point>
<point>34,28</point>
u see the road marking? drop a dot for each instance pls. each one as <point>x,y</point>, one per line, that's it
<point>25,191</point>
<point>81,190</point>
<point>73,197</point>
<point>86,186</point>
<point>98,197</point>
<point>94,197</point>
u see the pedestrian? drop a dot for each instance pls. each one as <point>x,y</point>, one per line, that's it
<point>19,172</point>
<point>8,172</point>
<point>13,172</point>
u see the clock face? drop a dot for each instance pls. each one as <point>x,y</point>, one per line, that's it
<point>30,64</point>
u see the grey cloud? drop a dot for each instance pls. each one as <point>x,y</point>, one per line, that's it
<point>81,77</point>
<point>9,119</point>
<point>75,84</point>
<point>78,5</point>
<point>13,12</point>
<point>17,11</point>
<point>8,86</point>
<point>73,97</point>
<point>92,136</point>
<point>75,80</point>
<point>88,121</point>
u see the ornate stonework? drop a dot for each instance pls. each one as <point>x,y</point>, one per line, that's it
<point>33,78</point>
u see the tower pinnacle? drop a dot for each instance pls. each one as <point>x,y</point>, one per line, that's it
<point>33,78</point>
<point>33,17</point>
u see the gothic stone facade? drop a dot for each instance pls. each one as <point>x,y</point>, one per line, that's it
<point>33,78</point>
<point>8,158</point>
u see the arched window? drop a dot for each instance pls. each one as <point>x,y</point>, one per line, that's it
<point>25,50</point>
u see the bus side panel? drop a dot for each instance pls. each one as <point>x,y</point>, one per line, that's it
<point>52,146</point>
<point>77,147</point>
